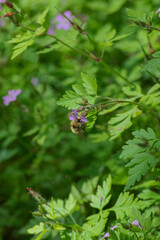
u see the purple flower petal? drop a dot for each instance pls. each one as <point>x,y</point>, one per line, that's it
<point>159,13</point>
<point>106,235</point>
<point>112,228</point>
<point>6,100</point>
<point>2,23</point>
<point>18,92</point>
<point>83,119</point>
<point>34,81</point>
<point>59,26</point>
<point>71,117</point>
<point>63,23</point>
<point>59,18</point>
<point>66,26</point>
<point>68,15</point>
<point>11,92</point>
<point>75,112</point>
<point>136,223</point>
<point>12,96</point>
<point>51,30</point>
<point>2,1</point>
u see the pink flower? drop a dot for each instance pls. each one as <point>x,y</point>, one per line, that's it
<point>112,228</point>
<point>74,115</point>
<point>158,11</point>
<point>1,1</point>
<point>51,28</point>
<point>34,81</point>
<point>107,233</point>
<point>11,97</point>
<point>136,223</point>
<point>2,23</point>
<point>63,23</point>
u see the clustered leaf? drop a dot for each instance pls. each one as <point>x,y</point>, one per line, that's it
<point>141,152</point>
<point>23,41</point>
<point>102,197</point>
<point>124,205</point>
<point>86,88</point>
<point>122,121</point>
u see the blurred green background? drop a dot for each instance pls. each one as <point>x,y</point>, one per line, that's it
<point>35,148</point>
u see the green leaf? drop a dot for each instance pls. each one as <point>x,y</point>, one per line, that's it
<point>139,150</point>
<point>152,98</point>
<point>136,16</point>
<point>36,229</point>
<point>124,205</point>
<point>21,47</point>
<point>31,132</point>
<point>91,119</point>
<point>70,100</point>
<point>87,188</point>
<point>148,194</point>
<point>23,41</point>
<point>39,31</point>
<point>41,18</point>
<point>96,223</point>
<point>99,137</point>
<point>70,203</point>
<point>111,109</point>
<point>110,38</point>
<point>102,197</point>
<point>133,91</point>
<point>122,121</point>
<point>153,66</point>
<point>73,99</point>
<point>89,84</point>
<point>20,38</point>
<point>62,208</point>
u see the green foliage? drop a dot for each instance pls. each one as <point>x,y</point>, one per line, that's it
<point>102,197</point>
<point>152,98</point>
<point>141,152</point>
<point>41,18</point>
<point>122,121</point>
<point>28,38</point>
<point>85,88</point>
<point>124,205</point>
<point>96,223</point>
<point>111,38</point>
<point>36,152</point>
<point>23,41</point>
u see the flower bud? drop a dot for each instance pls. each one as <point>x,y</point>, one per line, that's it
<point>8,4</point>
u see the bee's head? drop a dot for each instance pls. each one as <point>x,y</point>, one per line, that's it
<point>78,119</point>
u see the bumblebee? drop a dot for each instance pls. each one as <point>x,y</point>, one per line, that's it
<point>78,126</point>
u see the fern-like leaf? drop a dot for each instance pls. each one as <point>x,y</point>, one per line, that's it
<point>102,197</point>
<point>86,88</point>
<point>140,151</point>
<point>124,205</point>
<point>122,121</point>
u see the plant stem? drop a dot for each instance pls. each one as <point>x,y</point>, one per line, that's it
<point>117,73</point>
<point>114,101</point>
<point>25,16</point>
<point>65,44</point>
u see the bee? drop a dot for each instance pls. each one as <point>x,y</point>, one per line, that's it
<point>78,122</point>
<point>77,126</point>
